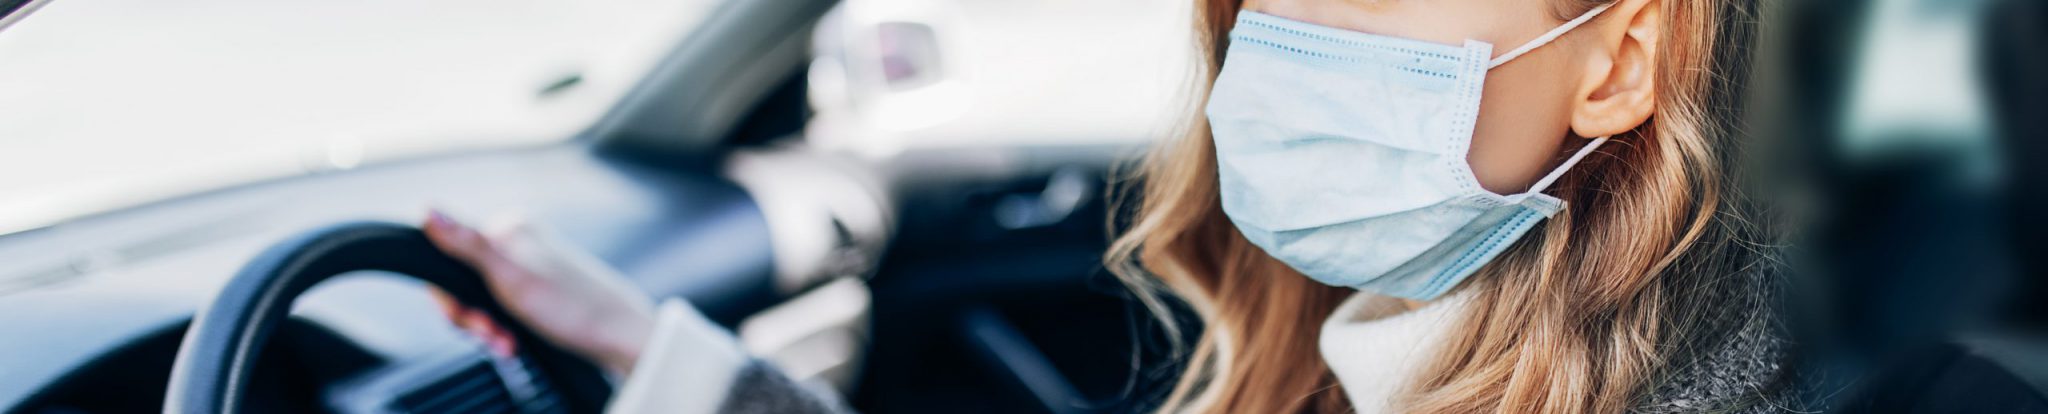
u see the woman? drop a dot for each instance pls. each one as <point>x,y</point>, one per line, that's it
<point>1378,210</point>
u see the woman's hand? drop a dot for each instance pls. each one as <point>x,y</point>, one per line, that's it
<point>565,295</point>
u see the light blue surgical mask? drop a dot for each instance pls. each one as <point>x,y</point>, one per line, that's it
<point>1342,154</point>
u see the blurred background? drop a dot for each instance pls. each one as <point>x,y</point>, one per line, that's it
<point>901,199</point>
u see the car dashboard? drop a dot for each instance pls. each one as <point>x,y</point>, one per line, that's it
<point>93,310</point>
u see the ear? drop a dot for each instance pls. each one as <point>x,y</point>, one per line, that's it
<point>1619,92</point>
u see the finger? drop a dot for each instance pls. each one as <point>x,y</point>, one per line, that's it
<point>471,320</point>
<point>505,226</point>
<point>494,336</point>
<point>465,244</point>
<point>455,238</point>
<point>509,236</point>
<point>500,341</point>
<point>449,306</point>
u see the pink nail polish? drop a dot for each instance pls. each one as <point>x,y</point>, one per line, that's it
<point>501,346</point>
<point>436,219</point>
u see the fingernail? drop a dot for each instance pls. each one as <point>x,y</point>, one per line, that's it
<point>501,346</point>
<point>436,219</point>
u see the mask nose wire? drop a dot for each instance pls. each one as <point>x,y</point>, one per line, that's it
<point>1547,37</point>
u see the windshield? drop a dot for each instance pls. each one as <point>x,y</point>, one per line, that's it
<point>110,103</point>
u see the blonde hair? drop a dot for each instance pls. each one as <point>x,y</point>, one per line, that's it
<point>1582,315</point>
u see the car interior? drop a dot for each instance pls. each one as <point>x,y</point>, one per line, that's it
<point>803,172</point>
<point>697,184</point>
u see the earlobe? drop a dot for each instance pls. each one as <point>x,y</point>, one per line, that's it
<point>1620,91</point>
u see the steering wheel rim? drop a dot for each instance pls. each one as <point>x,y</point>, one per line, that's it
<point>220,349</point>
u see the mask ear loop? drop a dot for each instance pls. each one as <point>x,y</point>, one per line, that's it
<point>1567,166</point>
<point>1549,36</point>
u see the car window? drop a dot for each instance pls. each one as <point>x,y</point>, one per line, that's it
<point>109,103</point>
<point>892,75</point>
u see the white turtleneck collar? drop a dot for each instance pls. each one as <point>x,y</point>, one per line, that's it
<point>1376,347</point>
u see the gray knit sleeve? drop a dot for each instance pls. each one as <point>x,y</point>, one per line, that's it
<point>760,388</point>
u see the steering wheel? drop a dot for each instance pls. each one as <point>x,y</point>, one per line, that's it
<point>214,363</point>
